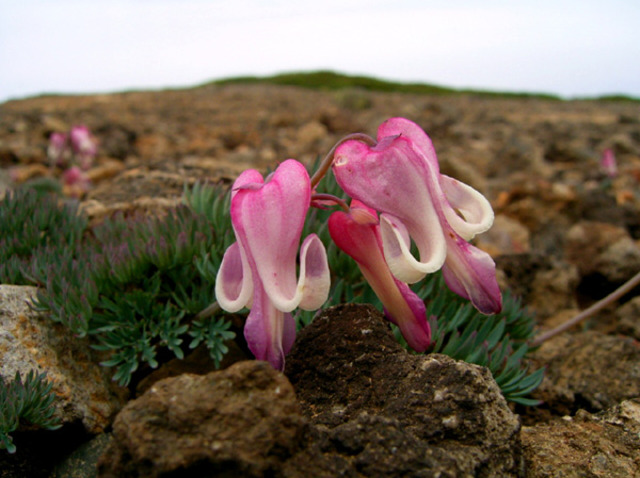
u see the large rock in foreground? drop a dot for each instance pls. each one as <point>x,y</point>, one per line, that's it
<point>381,411</point>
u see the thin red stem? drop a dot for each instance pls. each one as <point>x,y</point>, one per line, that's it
<point>330,197</point>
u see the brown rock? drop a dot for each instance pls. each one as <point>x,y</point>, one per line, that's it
<point>506,236</point>
<point>138,183</point>
<point>606,445</point>
<point>242,421</point>
<point>198,362</point>
<point>371,408</point>
<point>21,174</point>
<point>519,153</point>
<point>106,169</point>
<point>628,318</point>
<point>545,285</point>
<point>588,370</point>
<point>539,157</point>
<point>602,249</point>
<point>310,133</point>
<point>116,141</point>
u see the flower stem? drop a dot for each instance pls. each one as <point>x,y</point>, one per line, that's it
<point>328,159</point>
<point>615,295</point>
<point>330,197</point>
<point>208,311</point>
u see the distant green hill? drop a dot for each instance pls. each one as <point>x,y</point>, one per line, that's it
<point>329,80</point>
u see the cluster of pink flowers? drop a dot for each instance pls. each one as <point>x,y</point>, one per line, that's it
<point>74,152</point>
<point>398,196</point>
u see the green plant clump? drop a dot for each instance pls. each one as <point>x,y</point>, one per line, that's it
<point>29,401</point>
<point>35,229</point>
<point>133,286</point>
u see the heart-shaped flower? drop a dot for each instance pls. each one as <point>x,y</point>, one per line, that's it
<point>259,270</point>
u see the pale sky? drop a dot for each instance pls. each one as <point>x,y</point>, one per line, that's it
<point>570,48</point>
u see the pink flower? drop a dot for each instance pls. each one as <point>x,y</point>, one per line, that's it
<point>83,145</point>
<point>76,182</point>
<point>400,177</point>
<point>608,163</point>
<point>259,270</point>
<point>57,150</point>
<point>358,234</point>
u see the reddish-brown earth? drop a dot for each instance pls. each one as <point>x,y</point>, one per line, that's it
<point>565,234</point>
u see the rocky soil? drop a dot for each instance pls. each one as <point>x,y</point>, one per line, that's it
<point>351,402</point>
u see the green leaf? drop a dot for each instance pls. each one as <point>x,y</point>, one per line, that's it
<point>29,401</point>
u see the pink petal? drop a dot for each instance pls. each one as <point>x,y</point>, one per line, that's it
<point>268,222</point>
<point>83,143</point>
<point>248,179</point>
<point>400,177</point>
<point>362,242</point>
<point>269,332</point>
<point>450,193</point>
<point>471,273</point>
<point>234,285</point>
<point>608,163</point>
<point>397,252</point>
<point>314,282</point>
<point>393,179</point>
<point>410,315</point>
<point>410,130</point>
<point>355,234</point>
<point>477,213</point>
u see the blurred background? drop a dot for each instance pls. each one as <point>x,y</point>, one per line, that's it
<point>570,48</point>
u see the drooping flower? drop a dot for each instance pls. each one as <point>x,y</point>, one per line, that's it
<point>259,270</point>
<point>75,182</point>
<point>400,177</point>
<point>609,164</point>
<point>358,234</point>
<point>57,150</point>
<point>84,145</point>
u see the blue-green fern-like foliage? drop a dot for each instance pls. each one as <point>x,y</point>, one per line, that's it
<point>28,402</point>
<point>498,342</point>
<point>132,286</point>
<point>138,286</point>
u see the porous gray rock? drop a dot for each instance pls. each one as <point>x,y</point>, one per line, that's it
<point>31,341</point>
